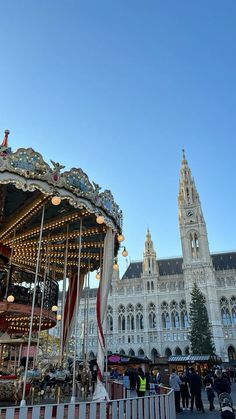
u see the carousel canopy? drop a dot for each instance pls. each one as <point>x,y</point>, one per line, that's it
<point>27,183</point>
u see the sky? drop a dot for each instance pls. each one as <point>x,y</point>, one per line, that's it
<point>118,88</point>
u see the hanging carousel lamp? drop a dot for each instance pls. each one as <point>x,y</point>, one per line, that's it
<point>115,266</point>
<point>56,199</point>
<point>120,238</point>
<point>10,298</point>
<point>124,253</point>
<point>54,308</point>
<point>98,275</point>
<point>100,219</point>
<point>58,317</point>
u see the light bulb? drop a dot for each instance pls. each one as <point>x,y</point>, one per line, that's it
<point>115,266</point>
<point>124,253</point>
<point>54,308</point>
<point>100,219</point>
<point>56,200</point>
<point>10,298</point>
<point>58,316</point>
<point>98,276</point>
<point>120,238</point>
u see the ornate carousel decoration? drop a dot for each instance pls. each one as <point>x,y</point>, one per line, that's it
<point>54,226</point>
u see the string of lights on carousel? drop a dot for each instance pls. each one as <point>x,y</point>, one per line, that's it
<point>18,323</point>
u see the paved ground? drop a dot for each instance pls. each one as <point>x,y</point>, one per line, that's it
<point>211,415</point>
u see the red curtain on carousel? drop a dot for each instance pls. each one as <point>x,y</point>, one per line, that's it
<point>69,309</point>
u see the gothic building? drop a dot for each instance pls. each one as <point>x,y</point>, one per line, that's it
<point>147,310</point>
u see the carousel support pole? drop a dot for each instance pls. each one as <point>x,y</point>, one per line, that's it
<point>23,402</point>
<point>41,309</point>
<point>19,355</point>
<point>9,270</point>
<point>15,360</point>
<point>106,364</point>
<point>63,299</point>
<point>76,315</point>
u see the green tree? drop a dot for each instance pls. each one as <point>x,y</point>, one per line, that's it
<point>200,331</point>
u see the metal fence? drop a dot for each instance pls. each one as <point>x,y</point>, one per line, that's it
<point>151,407</point>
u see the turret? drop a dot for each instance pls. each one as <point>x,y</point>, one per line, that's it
<point>149,257</point>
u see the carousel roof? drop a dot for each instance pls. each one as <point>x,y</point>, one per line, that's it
<point>27,183</point>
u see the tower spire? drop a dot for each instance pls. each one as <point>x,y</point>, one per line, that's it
<point>191,221</point>
<point>149,256</point>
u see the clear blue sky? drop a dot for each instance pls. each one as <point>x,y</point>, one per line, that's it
<point>118,88</point>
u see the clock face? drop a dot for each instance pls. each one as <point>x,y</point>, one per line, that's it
<point>189,213</point>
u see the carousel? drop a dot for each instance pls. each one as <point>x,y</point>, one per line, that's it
<point>55,227</point>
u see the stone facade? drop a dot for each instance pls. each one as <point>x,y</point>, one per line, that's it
<point>147,310</point>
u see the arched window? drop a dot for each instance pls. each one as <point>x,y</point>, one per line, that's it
<point>148,286</point>
<point>122,352</point>
<point>174,315</point>
<point>91,328</point>
<point>168,352</point>
<point>130,317</point>
<point>139,317</point>
<point>109,319</point>
<point>186,351</point>
<point>165,317</point>
<point>152,316</point>
<point>152,286</point>
<point>233,309</point>
<point>178,351</point>
<point>140,352</point>
<point>154,355</point>
<point>91,355</point>
<point>225,313</point>
<point>121,318</point>
<point>131,352</point>
<point>183,314</point>
<point>194,244</point>
<point>231,353</point>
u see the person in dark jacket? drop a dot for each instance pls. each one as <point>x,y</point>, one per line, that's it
<point>184,392</point>
<point>209,386</point>
<point>141,383</point>
<point>221,384</point>
<point>196,390</point>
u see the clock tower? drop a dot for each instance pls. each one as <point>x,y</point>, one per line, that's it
<point>197,261</point>
<point>193,230</point>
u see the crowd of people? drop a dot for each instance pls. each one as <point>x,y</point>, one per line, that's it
<point>188,387</point>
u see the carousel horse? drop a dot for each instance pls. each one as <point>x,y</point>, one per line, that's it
<point>36,380</point>
<point>7,386</point>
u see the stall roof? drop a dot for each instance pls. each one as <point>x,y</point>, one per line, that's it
<point>193,358</point>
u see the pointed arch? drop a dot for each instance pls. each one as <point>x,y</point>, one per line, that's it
<point>152,316</point>
<point>168,352</point>
<point>130,317</point>
<point>233,308</point>
<point>91,355</point>
<point>186,350</point>
<point>154,355</point>
<point>122,351</point>
<point>231,353</point>
<point>121,318</point>
<point>178,351</point>
<point>140,352</point>
<point>131,352</point>
<point>139,317</point>
<point>225,311</point>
